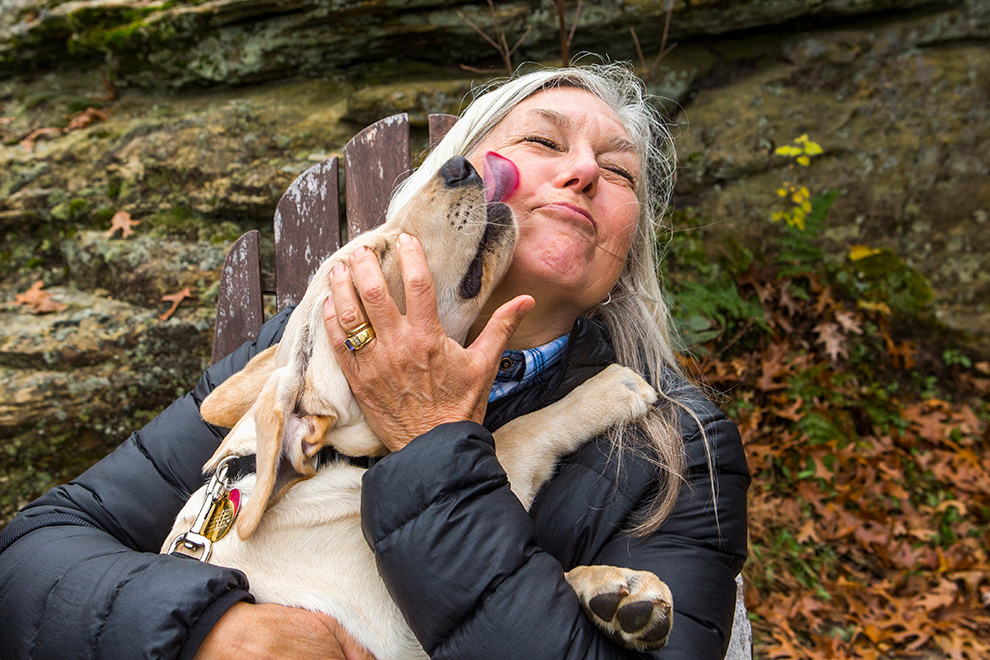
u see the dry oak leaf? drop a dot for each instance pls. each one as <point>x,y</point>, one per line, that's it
<point>28,143</point>
<point>82,120</point>
<point>85,118</point>
<point>830,336</point>
<point>39,301</point>
<point>847,319</point>
<point>175,299</point>
<point>121,220</point>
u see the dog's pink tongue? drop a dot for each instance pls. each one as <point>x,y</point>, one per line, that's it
<point>501,177</point>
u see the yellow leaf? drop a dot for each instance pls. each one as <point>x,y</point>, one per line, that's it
<point>879,307</point>
<point>781,192</point>
<point>806,206</point>
<point>858,252</point>
<point>802,139</point>
<point>813,149</point>
<point>803,160</point>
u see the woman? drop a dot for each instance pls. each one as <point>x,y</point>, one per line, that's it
<point>472,572</point>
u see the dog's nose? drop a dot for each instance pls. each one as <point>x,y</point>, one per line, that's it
<point>458,172</point>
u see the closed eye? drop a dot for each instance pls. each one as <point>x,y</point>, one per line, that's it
<point>625,174</point>
<point>545,141</point>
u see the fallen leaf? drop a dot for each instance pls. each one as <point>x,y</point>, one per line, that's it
<point>847,319</point>
<point>807,534</point>
<point>941,596</point>
<point>121,220</point>
<point>857,252</point>
<point>28,143</point>
<point>832,339</point>
<point>85,118</point>
<point>902,354</point>
<point>175,299</point>
<point>39,301</point>
<point>787,301</point>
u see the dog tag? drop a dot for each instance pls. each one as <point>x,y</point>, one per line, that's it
<point>222,516</point>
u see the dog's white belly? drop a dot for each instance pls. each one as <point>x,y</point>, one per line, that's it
<point>309,552</point>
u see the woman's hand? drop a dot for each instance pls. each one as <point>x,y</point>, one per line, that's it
<point>249,631</point>
<point>412,376</point>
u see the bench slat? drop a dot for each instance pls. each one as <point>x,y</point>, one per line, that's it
<point>239,303</point>
<point>375,161</point>
<point>439,125</point>
<point>307,230</point>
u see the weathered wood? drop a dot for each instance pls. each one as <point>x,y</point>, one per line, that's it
<point>307,230</point>
<point>239,303</point>
<point>307,225</point>
<point>439,125</point>
<point>375,161</point>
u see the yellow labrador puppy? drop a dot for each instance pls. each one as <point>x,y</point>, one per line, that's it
<point>294,423</point>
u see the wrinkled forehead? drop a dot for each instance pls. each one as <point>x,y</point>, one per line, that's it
<point>569,107</point>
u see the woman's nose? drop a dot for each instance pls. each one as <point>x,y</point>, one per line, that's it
<point>581,172</point>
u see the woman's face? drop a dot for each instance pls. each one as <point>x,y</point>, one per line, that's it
<point>576,205</point>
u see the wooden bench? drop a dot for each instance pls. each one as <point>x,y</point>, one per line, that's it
<point>308,226</point>
<point>307,231</point>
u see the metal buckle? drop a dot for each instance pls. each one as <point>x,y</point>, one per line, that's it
<point>194,542</point>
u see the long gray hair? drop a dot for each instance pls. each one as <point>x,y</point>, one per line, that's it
<point>636,315</point>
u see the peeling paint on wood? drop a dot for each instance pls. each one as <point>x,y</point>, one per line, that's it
<point>307,225</point>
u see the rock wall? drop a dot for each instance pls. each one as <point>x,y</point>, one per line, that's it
<point>210,109</point>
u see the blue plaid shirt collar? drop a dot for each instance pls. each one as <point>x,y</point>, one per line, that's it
<point>521,368</point>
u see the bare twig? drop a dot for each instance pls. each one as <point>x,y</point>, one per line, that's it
<point>499,42</point>
<point>663,40</point>
<point>649,72</point>
<point>577,17</point>
<point>639,49</point>
<point>566,37</point>
<point>666,24</point>
<point>477,29</point>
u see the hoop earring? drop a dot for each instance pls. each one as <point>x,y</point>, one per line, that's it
<point>609,299</point>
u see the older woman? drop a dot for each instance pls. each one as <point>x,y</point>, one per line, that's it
<point>474,574</point>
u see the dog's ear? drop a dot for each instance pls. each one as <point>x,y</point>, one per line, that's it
<point>287,445</point>
<point>233,398</point>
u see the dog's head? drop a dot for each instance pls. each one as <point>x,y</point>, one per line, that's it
<point>467,233</point>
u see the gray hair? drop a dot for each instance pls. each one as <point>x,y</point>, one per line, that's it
<point>636,316</point>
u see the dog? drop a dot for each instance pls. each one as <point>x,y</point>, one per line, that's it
<point>291,404</point>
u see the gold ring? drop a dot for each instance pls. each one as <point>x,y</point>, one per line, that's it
<point>360,337</point>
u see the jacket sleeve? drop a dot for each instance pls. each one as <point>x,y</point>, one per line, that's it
<point>476,578</point>
<point>459,555</point>
<point>80,573</point>
<point>701,547</point>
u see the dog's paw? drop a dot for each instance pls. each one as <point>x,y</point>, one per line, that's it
<point>634,608</point>
<point>624,388</point>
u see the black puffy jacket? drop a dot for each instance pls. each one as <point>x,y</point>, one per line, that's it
<point>474,574</point>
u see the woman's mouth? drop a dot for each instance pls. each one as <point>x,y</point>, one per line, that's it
<point>571,211</point>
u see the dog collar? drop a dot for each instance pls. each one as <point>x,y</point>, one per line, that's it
<point>222,501</point>
<point>242,466</point>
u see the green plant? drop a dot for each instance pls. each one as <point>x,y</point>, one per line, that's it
<point>798,199</point>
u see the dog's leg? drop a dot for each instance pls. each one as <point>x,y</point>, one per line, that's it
<point>634,608</point>
<point>529,447</point>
